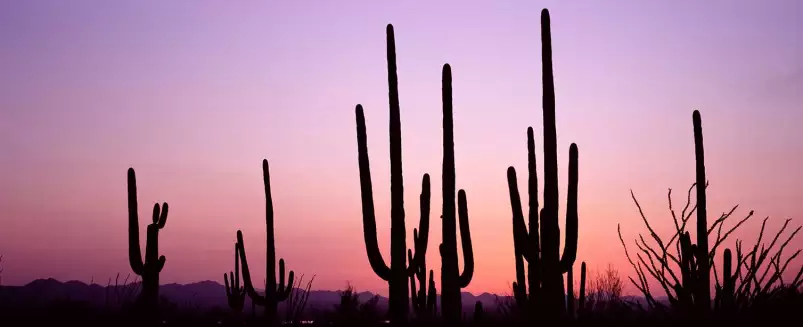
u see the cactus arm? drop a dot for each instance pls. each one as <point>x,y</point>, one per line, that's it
<point>702,223</point>
<point>284,290</point>
<point>420,240</point>
<point>366,190</point>
<point>570,246</point>
<point>431,296</point>
<point>465,238</point>
<point>520,235</point>
<point>226,285</point>
<point>281,286</point>
<point>236,277</point>
<point>570,291</point>
<point>134,253</point>
<point>160,264</point>
<point>162,220</point>
<point>532,192</point>
<point>414,295</point>
<point>582,301</point>
<point>249,287</point>
<point>520,239</point>
<point>288,288</point>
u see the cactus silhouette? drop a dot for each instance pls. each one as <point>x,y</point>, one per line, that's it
<point>424,299</point>
<point>479,312</point>
<point>273,293</point>
<point>725,294</point>
<point>546,265</point>
<point>153,264</point>
<point>236,293</point>
<point>694,294</point>
<point>570,300</point>
<point>703,291</point>
<point>581,305</point>
<point>451,279</point>
<point>397,274</point>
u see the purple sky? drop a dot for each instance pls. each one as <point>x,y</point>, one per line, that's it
<point>194,94</point>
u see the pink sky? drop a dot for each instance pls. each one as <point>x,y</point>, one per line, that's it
<point>194,95</point>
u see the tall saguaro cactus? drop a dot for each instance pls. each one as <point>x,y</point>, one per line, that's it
<point>451,279</point>
<point>546,265</point>
<point>273,293</point>
<point>695,290</point>
<point>397,274</point>
<point>703,292</point>
<point>152,265</point>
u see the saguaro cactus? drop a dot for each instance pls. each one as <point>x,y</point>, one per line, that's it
<point>725,294</point>
<point>570,300</point>
<point>451,279</point>
<point>397,274</point>
<point>273,293</point>
<point>582,298</point>
<point>546,265</point>
<point>235,294</point>
<point>694,293</point>
<point>703,291</point>
<point>424,299</point>
<point>149,268</point>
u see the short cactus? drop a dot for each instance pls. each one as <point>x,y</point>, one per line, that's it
<point>235,294</point>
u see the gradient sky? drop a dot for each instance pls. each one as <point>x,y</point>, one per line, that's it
<point>194,94</point>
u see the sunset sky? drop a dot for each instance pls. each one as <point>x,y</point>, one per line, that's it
<point>194,94</point>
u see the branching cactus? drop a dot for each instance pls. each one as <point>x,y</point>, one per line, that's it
<point>152,265</point>
<point>424,299</point>
<point>546,265</point>
<point>398,273</point>
<point>236,293</point>
<point>273,293</point>
<point>451,279</point>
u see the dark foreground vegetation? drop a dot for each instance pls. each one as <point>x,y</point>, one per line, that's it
<point>690,276</point>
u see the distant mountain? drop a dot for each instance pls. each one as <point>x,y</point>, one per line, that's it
<point>200,296</point>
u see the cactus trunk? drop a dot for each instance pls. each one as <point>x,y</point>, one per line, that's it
<point>703,292</point>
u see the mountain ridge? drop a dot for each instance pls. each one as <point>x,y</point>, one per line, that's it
<point>195,296</point>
